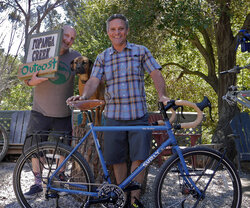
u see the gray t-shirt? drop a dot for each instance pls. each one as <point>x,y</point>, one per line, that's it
<point>50,96</point>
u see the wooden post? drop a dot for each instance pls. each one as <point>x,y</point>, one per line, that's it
<point>88,150</point>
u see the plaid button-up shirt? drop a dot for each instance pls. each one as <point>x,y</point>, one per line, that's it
<point>123,73</point>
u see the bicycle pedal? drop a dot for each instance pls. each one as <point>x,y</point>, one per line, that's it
<point>52,195</point>
<point>185,190</point>
<point>133,186</point>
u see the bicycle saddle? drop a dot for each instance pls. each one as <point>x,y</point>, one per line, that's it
<point>84,105</point>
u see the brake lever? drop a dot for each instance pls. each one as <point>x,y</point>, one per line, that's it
<point>205,103</point>
<point>162,110</point>
<point>175,107</point>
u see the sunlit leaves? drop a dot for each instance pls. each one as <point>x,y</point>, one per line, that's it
<point>17,98</point>
<point>183,16</point>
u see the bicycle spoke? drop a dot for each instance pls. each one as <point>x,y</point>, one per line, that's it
<point>215,179</point>
<point>75,177</point>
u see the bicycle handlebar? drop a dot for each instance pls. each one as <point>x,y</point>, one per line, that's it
<point>236,69</point>
<point>198,119</point>
<point>198,107</point>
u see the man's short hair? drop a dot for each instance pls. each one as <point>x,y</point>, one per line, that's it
<point>117,16</point>
<point>67,27</point>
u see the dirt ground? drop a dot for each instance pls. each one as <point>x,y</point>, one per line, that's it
<point>8,200</point>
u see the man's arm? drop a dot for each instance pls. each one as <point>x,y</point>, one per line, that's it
<point>160,86</point>
<point>89,89</point>
<point>35,80</point>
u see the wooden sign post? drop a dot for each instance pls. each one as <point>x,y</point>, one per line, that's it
<point>41,55</point>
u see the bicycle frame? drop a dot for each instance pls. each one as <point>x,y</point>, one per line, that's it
<point>233,95</point>
<point>242,98</point>
<point>93,129</point>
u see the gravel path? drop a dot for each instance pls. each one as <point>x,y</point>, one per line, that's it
<point>8,200</point>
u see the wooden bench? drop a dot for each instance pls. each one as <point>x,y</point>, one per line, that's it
<point>18,129</point>
<point>5,120</point>
<point>15,123</point>
<point>240,126</point>
<point>185,137</point>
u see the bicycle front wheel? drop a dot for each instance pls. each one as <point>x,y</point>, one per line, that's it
<point>224,189</point>
<point>4,142</point>
<point>45,159</point>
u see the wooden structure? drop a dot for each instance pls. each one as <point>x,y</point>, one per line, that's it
<point>185,137</point>
<point>15,124</point>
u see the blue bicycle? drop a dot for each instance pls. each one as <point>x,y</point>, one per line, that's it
<point>191,177</point>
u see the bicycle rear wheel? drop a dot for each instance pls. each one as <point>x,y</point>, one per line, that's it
<point>4,142</point>
<point>77,176</point>
<point>171,190</point>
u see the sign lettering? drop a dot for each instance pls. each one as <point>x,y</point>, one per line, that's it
<point>47,66</point>
<point>43,47</point>
<point>40,54</point>
<point>43,42</point>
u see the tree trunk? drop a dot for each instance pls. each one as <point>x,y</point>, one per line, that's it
<point>88,151</point>
<point>226,44</point>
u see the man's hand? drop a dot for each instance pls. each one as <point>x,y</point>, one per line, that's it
<point>164,99</point>
<point>75,98</point>
<point>35,80</point>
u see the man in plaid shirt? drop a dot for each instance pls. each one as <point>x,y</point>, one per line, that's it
<point>122,67</point>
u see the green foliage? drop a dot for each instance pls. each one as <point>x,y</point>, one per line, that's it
<point>13,94</point>
<point>90,26</point>
<point>184,17</point>
<point>8,72</point>
<point>91,23</point>
<point>243,78</point>
<point>17,98</point>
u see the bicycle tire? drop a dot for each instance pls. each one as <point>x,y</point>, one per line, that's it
<point>170,190</point>
<point>4,143</point>
<point>76,170</point>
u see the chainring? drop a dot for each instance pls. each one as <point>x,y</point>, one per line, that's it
<point>111,190</point>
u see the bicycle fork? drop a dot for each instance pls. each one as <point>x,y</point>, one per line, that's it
<point>188,181</point>
<point>212,176</point>
<point>184,170</point>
